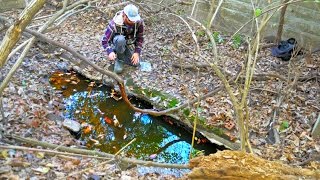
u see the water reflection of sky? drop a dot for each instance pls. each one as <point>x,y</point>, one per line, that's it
<point>155,141</point>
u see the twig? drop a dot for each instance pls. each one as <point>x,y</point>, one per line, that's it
<point>70,13</point>
<point>4,119</point>
<point>193,7</point>
<point>196,118</point>
<point>260,89</point>
<point>133,140</point>
<point>54,152</point>
<point>215,13</point>
<point>42,17</point>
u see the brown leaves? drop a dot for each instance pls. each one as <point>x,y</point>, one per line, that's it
<point>113,95</point>
<point>222,119</point>
<point>108,120</point>
<point>229,125</point>
<point>60,80</point>
<point>210,100</point>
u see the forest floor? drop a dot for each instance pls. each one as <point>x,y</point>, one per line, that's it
<point>34,109</point>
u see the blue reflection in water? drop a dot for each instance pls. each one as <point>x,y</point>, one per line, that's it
<point>145,119</point>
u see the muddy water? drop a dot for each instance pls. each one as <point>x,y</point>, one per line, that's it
<point>108,124</point>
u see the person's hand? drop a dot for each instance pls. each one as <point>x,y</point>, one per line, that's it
<point>112,56</point>
<point>135,58</point>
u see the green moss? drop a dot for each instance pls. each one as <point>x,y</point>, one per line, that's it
<point>173,103</point>
<point>218,131</point>
<point>164,100</point>
<point>186,112</point>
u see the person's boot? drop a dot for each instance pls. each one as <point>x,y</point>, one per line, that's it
<point>118,66</point>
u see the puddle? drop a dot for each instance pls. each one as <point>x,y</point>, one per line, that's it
<point>108,124</point>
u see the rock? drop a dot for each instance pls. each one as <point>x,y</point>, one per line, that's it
<point>316,128</point>
<point>145,66</point>
<point>54,117</point>
<point>72,125</point>
<point>63,66</point>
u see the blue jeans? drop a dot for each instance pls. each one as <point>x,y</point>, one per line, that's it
<point>124,53</point>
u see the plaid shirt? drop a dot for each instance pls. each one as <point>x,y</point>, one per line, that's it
<point>132,33</point>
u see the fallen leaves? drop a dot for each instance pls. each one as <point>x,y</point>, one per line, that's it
<point>108,120</point>
<point>113,95</point>
<point>229,125</point>
<point>42,170</point>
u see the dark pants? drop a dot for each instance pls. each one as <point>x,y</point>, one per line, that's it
<point>124,53</point>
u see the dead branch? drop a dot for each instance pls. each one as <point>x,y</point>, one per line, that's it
<point>96,153</point>
<point>281,21</point>
<point>52,152</point>
<point>215,13</point>
<point>4,119</point>
<point>14,32</point>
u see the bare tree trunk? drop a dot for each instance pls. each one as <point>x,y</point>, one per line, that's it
<point>281,21</point>
<point>14,32</point>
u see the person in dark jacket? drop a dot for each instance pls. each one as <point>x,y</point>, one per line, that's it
<point>123,38</point>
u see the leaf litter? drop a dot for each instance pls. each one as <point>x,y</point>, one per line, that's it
<point>29,98</point>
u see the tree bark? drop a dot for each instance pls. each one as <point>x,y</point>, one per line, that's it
<point>14,32</point>
<point>281,21</point>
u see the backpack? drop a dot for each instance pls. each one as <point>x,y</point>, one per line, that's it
<point>285,49</point>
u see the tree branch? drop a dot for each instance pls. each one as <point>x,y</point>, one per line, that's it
<point>14,32</point>
<point>97,153</point>
<point>281,21</point>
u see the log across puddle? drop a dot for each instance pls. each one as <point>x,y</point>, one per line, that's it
<point>108,124</point>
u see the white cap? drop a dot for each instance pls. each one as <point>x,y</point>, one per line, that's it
<point>132,13</point>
